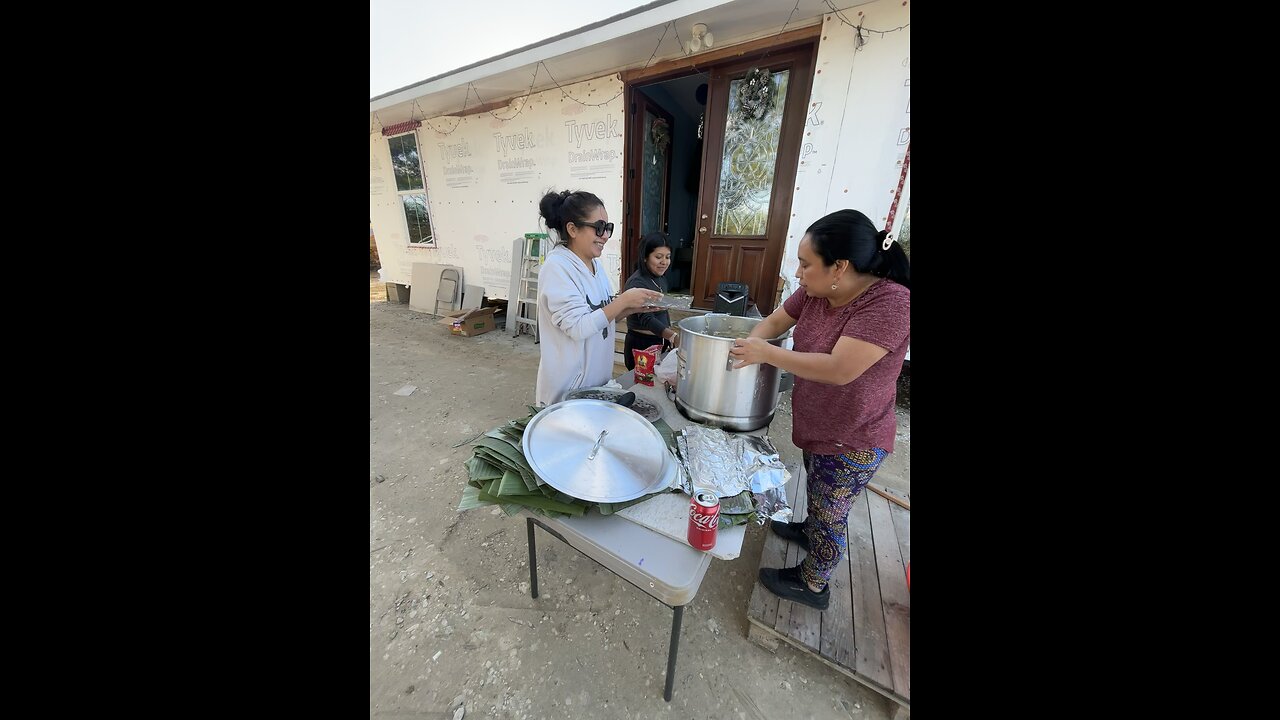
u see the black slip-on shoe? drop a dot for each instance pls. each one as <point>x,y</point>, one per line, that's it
<point>787,584</point>
<point>792,531</point>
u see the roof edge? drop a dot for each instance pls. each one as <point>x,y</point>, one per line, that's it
<point>568,33</point>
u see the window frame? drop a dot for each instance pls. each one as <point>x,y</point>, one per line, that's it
<point>422,192</point>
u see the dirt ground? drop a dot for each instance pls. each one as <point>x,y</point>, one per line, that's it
<point>450,618</point>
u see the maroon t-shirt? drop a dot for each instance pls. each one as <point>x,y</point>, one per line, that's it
<point>839,419</point>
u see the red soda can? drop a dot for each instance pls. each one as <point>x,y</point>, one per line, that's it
<point>704,518</point>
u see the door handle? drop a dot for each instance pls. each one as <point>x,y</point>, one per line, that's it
<point>702,229</point>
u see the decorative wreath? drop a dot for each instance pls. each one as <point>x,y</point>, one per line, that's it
<point>660,133</point>
<point>755,94</point>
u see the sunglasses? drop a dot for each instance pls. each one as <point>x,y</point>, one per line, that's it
<point>602,228</point>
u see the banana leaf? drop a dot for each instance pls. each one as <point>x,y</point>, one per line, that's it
<point>471,499</point>
<point>539,502</point>
<point>511,438</point>
<point>502,449</point>
<point>480,469</point>
<point>611,508</point>
<point>512,484</point>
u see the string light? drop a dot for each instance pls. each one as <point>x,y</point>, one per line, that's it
<point>784,27</point>
<point>466,97</point>
<point>566,94</point>
<point>683,49</point>
<point>859,40</point>
<point>654,54</point>
<point>669,26</point>
<point>523,103</point>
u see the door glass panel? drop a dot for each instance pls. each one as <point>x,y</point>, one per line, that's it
<point>653,168</point>
<point>749,156</point>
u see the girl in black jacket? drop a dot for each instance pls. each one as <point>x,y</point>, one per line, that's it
<point>649,328</point>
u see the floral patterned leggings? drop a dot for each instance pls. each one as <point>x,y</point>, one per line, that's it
<point>833,482</point>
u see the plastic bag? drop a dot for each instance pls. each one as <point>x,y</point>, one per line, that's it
<point>666,370</point>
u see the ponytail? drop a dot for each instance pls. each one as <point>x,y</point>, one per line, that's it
<point>558,209</point>
<point>850,235</point>
<point>891,261</point>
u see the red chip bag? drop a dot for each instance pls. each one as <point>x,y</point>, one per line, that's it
<point>646,360</point>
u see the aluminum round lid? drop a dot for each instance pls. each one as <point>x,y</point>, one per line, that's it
<point>596,451</point>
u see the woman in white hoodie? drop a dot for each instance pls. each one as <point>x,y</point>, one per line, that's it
<point>576,307</point>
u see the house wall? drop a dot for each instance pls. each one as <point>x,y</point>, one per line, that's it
<point>484,180</point>
<point>858,125</point>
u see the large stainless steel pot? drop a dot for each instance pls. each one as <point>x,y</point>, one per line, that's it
<point>711,393</point>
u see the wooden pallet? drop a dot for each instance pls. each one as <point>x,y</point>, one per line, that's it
<point>866,631</point>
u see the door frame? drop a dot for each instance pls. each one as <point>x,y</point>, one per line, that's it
<point>708,62</point>
<point>633,187</point>
<point>800,61</point>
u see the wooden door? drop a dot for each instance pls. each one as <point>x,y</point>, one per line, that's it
<point>648,188</point>
<point>748,175</point>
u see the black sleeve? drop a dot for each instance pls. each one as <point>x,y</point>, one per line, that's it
<point>654,322</point>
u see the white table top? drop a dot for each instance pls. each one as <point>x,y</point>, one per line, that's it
<point>668,514</point>
<point>670,571</point>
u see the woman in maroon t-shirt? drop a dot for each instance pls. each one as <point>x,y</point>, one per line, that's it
<point>852,328</point>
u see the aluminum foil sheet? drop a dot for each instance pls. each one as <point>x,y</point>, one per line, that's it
<point>729,464</point>
<point>681,481</point>
<point>763,466</point>
<point>714,460</point>
<point>772,505</point>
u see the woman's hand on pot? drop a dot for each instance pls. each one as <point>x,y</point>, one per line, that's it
<point>674,340</point>
<point>748,351</point>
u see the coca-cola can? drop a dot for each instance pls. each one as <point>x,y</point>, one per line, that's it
<point>704,518</point>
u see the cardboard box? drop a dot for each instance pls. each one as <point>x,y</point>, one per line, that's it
<point>469,323</point>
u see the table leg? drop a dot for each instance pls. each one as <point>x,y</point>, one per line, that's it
<point>671,654</point>
<point>533,559</point>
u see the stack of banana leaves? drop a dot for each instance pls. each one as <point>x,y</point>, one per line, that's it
<point>498,474</point>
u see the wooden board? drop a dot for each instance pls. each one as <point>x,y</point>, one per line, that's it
<point>871,649</point>
<point>837,622</point>
<point>760,634</point>
<point>804,624</point>
<point>866,631</point>
<point>893,594</point>
<point>902,526</point>
<point>764,604</point>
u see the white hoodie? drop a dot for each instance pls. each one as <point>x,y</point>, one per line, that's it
<point>575,337</point>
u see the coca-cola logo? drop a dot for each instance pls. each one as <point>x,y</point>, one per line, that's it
<point>703,522</point>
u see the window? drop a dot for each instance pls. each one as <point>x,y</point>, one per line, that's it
<point>413,197</point>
